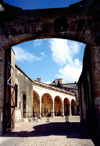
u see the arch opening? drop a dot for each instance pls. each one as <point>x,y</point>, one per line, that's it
<point>73,107</point>
<point>66,106</point>
<point>17,33</point>
<point>35,53</point>
<point>58,106</point>
<point>47,105</point>
<point>36,104</point>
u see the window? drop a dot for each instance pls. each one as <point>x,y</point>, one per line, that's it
<point>16,91</point>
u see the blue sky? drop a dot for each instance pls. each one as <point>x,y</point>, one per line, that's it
<point>38,4</point>
<point>49,59</point>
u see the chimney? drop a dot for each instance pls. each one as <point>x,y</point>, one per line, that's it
<point>39,79</point>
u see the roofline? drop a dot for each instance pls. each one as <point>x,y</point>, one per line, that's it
<point>43,84</point>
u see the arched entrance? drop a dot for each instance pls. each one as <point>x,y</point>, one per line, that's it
<point>67,24</point>
<point>58,106</point>
<point>36,104</point>
<point>66,106</point>
<point>47,105</point>
<point>73,106</point>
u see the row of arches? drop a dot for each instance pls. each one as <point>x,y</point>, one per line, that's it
<point>57,107</point>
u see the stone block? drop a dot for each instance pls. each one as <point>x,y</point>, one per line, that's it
<point>1,128</point>
<point>96,78</point>
<point>33,27</point>
<point>26,28</point>
<point>97,101</point>
<point>95,54</point>
<point>2,95</point>
<point>97,109</point>
<point>96,93</point>
<point>2,53</point>
<point>72,25</point>
<point>1,121</point>
<point>96,86</point>
<point>1,81</point>
<point>80,24</point>
<point>1,89</point>
<point>1,103</point>
<point>95,68</point>
<point>1,70</point>
<point>97,40</point>
<point>91,24</point>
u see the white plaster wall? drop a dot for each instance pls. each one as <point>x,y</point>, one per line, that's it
<point>53,93</point>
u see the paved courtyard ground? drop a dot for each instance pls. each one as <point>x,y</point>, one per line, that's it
<point>50,132</point>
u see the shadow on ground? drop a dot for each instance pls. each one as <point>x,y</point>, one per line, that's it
<point>70,130</point>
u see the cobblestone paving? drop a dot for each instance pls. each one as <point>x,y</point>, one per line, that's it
<point>56,132</point>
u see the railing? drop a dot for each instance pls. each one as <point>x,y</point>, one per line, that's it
<point>38,115</point>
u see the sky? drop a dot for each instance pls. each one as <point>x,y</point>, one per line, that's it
<point>49,59</point>
<point>40,4</point>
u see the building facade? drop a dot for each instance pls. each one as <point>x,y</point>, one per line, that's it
<point>34,98</point>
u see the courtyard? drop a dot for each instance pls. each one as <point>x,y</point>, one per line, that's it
<point>50,131</point>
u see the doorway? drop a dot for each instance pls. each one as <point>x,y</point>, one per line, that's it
<point>24,105</point>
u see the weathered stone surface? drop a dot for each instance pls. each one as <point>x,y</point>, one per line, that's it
<point>79,22</point>
<point>49,23</point>
<point>96,85</point>
<point>96,78</point>
<point>2,95</point>
<point>96,93</point>
<point>25,86</point>
<point>1,103</point>
<point>2,64</point>
<point>1,121</point>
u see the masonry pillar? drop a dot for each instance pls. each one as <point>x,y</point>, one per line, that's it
<point>2,66</point>
<point>95,62</point>
<point>75,110</point>
<point>70,111</point>
<point>40,110</point>
<point>53,110</point>
<point>63,109</point>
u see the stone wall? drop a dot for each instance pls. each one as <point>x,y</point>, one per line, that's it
<point>25,87</point>
<point>2,62</point>
<point>95,61</point>
<point>88,90</point>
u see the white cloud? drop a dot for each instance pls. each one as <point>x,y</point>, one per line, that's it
<point>37,42</point>
<point>70,73</point>
<point>22,55</point>
<point>47,82</point>
<point>63,53</point>
<point>42,53</point>
<point>63,50</point>
<point>77,63</point>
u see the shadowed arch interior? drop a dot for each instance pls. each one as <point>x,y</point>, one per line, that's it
<point>36,103</point>
<point>73,106</point>
<point>47,104</point>
<point>66,106</point>
<point>58,106</point>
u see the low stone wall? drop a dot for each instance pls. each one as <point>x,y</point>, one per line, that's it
<point>2,62</point>
<point>17,115</point>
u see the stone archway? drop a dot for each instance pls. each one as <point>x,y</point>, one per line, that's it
<point>77,22</point>
<point>58,106</point>
<point>66,106</point>
<point>36,104</point>
<point>74,23</point>
<point>47,105</point>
